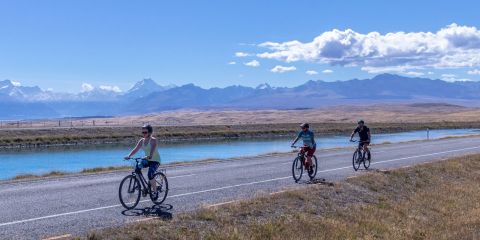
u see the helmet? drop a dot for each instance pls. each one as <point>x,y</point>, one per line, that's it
<point>148,127</point>
<point>361,122</point>
<point>305,125</point>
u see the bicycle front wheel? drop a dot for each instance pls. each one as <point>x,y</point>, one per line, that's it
<point>297,169</point>
<point>129,192</point>
<point>313,173</point>
<point>162,188</point>
<point>366,161</point>
<point>357,160</point>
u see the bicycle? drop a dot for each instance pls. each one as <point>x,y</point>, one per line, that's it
<point>135,184</point>
<point>359,157</point>
<point>299,163</point>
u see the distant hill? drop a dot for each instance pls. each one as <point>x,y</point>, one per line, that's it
<point>147,96</point>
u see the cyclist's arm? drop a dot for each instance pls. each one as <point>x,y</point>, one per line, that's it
<point>313,140</point>
<point>353,134</point>
<point>153,148</point>
<point>135,150</point>
<point>295,140</point>
<point>369,136</point>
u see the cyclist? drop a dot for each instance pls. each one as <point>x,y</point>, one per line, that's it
<point>309,144</point>
<point>152,157</point>
<point>364,134</point>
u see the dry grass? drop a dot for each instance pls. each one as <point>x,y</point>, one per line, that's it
<point>107,135</point>
<point>430,201</point>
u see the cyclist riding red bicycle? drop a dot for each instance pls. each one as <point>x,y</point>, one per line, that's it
<point>365,137</point>
<point>309,144</point>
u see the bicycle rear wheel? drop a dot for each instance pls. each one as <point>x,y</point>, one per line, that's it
<point>315,168</point>
<point>297,169</point>
<point>129,192</point>
<point>357,159</point>
<point>162,188</point>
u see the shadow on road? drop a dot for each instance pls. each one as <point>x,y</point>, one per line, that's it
<point>157,211</point>
<point>317,181</point>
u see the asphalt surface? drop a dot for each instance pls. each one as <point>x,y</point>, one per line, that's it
<point>75,205</point>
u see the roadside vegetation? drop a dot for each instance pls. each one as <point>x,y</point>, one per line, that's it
<point>17,138</point>
<point>430,201</point>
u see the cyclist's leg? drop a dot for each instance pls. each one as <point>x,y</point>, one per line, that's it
<point>366,149</point>
<point>310,153</point>
<point>152,168</point>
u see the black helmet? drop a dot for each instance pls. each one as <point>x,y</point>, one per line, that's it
<point>361,122</point>
<point>305,125</point>
<point>148,127</point>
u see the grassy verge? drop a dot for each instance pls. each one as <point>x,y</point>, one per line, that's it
<point>103,135</point>
<point>430,201</point>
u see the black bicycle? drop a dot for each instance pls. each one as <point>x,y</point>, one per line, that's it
<point>359,157</point>
<point>299,164</point>
<point>135,184</point>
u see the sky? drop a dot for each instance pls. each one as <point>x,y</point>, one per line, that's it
<point>64,45</point>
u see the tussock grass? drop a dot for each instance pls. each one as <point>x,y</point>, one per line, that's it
<point>430,201</point>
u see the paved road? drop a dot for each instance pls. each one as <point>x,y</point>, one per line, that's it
<point>74,205</point>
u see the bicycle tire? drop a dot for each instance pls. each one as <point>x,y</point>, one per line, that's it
<point>132,188</point>
<point>162,188</point>
<point>297,168</point>
<point>356,160</point>
<point>366,162</point>
<point>315,168</point>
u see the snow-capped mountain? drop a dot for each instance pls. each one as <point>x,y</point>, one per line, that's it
<point>145,87</point>
<point>16,91</point>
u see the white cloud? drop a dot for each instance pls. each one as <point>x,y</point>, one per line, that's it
<point>453,78</point>
<point>110,88</point>
<point>87,87</point>
<point>282,69</point>
<point>416,74</point>
<point>242,54</point>
<point>474,72</point>
<point>16,83</point>
<point>232,63</point>
<point>253,63</point>
<point>327,71</point>
<point>453,46</point>
<point>311,72</point>
<point>430,73</point>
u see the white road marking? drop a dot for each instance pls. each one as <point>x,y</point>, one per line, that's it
<point>58,237</point>
<point>220,204</point>
<point>225,187</point>
<point>180,176</point>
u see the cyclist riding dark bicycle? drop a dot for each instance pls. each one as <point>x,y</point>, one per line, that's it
<point>152,157</point>
<point>365,137</point>
<point>309,144</point>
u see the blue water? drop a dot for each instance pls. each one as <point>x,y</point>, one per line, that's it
<point>74,159</point>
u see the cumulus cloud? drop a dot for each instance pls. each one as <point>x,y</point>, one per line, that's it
<point>474,72</point>
<point>415,74</point>
<point>241,54</point>
<point>110,88</point>
<point>311,72</point>
<point>253,63</point>
<point>282,69</point>
<point>453,46</point>
<point>453,78</point>
<point>87,87</point>
<point>232,63</point>
<point>327,71</point>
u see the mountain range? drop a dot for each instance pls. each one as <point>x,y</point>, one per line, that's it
<point>146,96</point>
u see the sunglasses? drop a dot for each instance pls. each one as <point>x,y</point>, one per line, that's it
<point>144,132</point>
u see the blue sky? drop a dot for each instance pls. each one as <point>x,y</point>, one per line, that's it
<point>62,44</point>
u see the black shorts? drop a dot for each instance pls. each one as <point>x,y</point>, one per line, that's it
<point>361,143</point>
